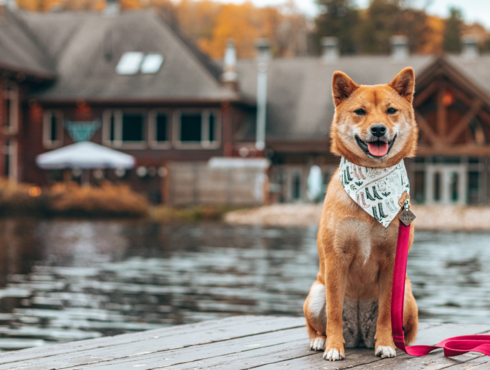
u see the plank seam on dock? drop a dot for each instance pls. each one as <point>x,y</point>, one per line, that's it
<point>191,345</point>
<point>226,354</point>
<point>190,330</point>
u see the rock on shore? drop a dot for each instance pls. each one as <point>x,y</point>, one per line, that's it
<point>454,218</point>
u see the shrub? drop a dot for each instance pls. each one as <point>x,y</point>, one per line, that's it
<point>71,199</point>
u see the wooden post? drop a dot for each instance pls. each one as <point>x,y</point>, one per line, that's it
<point>441,113</point>
<point>227,129</point>
<point>2,124</point>
<point>166,185</point>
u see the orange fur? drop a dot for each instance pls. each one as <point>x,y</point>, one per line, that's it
<point>356,252</point>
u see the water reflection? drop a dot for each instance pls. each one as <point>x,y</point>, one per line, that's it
<point>72,280</point>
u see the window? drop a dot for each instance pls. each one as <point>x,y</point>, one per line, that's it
<point>129,64</point>
<point>419,187</point>
<point>473,187</point>
<point>296,185</point>
<point>191,127</point>
<point>124,129</point>
<point>9,152</point>
<point>134,61</point>
<point>11,97</point>
<point>159,124</point>
<point>53,129</point>
<point>198,129</point>
<point>151,63</point>
<point>132,127</point>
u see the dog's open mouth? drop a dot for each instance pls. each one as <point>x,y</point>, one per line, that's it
<point>377,148</point>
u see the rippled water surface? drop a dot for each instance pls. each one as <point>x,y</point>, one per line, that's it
<point>70,280</point>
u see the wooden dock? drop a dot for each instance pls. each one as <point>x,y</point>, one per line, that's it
<point>241,342</point>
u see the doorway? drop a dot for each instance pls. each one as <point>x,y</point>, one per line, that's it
<point>446,184</point>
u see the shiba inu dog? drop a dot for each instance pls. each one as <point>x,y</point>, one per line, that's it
<point>349,304</point>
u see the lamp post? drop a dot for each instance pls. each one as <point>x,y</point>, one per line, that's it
<point>263,56</point>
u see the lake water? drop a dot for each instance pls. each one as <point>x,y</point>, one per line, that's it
<point>64,280</point>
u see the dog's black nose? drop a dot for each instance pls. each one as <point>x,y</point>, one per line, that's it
<point>378,130</point>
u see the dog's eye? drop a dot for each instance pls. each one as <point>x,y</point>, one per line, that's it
<point>391,111</point>
<point>360,112</point>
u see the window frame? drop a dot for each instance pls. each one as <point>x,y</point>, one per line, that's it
<point>152,123</point>
<point>204,143</point>
<point>47,142</point>
<point>118,129</point>
<point>11,96</point>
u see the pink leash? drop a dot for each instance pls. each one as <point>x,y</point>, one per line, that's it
<point>452,346</point>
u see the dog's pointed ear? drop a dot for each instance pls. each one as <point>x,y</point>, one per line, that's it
<point>404,83</point>
<point>342,87</point>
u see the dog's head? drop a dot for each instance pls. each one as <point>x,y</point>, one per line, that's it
<point>374,126</point>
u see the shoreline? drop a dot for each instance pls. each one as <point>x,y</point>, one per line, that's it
<point>431,218</point>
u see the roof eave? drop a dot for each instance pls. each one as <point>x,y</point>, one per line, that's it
<point>42,76</point>
<point>145,101</point>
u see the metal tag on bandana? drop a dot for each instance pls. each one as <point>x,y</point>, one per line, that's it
<point>406,217</point>
<point>376,190</point>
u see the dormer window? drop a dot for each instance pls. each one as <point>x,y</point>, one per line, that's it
<point>151,63</point>
<point>134,61</point>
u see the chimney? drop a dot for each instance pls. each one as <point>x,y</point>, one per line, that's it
<point>7,5</point>
<point>330,49</point>
<point>112,7</point>
<point>470,47</point>
<point>263,50</point>
<point>229,76</point>
<point>399,47</point>
<point>263,56</point>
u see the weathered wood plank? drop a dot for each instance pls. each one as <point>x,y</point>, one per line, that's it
<point>108,348</point>
<point>212,353</point>
<point>233,343</point>
<point>433,361</point>
<point>480,362</point>
<point>427,335</point>
<point>291,344</point>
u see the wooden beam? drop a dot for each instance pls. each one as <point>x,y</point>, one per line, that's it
<point>453,150</point>
<point>464,122</point>
<point>460,95</point>
<point>484,116</point>
<point>441,122</point>
<point>426,129</point>
<point>426,93</point>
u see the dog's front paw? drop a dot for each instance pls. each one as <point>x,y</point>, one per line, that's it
<point>334,350</point>
<point>318,344</point>
<point>385,351</point>
<point>334,354</point>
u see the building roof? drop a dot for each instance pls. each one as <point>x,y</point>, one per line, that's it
<point>299,90</point>
<point>87,47</point>
<point>20,50</point>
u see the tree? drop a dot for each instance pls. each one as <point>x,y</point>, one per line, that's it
<point>338,18</point>
<point>386,18</point>
<point>452,33</point>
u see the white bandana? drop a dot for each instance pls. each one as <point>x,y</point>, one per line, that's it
<point>376,190</point>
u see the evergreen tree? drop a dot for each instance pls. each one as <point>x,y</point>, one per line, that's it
<point>452,34</point>
<point>338,18</point>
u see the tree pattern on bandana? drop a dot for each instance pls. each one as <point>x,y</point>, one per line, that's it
<point>376,190</point>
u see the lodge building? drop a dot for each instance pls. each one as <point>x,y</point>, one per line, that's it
<point>128,81</point>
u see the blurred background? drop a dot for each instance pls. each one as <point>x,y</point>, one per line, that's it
<point>165,162</point>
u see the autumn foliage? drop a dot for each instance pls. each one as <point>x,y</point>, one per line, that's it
<point>210,23</point>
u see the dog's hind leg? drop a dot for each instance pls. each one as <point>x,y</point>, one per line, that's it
<point>316,316</point>
<point>410,314</point>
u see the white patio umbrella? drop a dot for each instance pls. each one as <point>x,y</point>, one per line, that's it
<point>84,155</point>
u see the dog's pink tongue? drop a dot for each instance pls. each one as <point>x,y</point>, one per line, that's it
<point>378,149</point>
